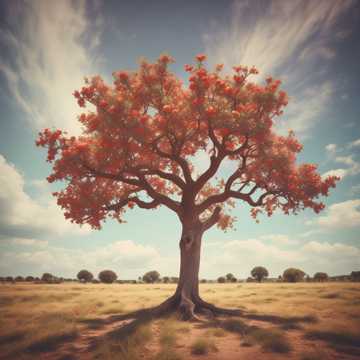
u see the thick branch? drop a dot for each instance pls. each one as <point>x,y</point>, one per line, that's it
<point>142,183</point>
<point>213,219</point>
<point>220,198</point>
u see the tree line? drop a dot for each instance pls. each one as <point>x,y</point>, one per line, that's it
<point>258,274</point>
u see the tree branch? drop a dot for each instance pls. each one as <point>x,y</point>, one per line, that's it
<point>142,204</point>
<point>213,219</point>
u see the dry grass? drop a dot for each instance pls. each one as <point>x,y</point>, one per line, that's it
<point>203,346</point>
<point>35,317</point>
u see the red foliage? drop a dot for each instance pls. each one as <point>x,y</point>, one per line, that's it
<point>137,146</point>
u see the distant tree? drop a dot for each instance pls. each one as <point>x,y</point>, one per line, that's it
<point>293,275</point>
<point>250,279</point>
<point>151,276</point>
<point>85,275</point>
<point>166,279</point>
<point>230,277</point>
<point>174,279</point>
<point>321,276</point>
<point>47,277</point>
<point>259,273</point>
<point>9,279</point>
<point>355,276</point>
<point>19,278</point>
<point>203,281</point>
<point>29,278</point>
<point>221,280</point>
<point>107,276</point>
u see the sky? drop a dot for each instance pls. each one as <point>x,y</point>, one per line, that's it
<point>48,47</point>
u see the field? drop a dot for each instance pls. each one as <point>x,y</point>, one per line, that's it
<point>305,321</point>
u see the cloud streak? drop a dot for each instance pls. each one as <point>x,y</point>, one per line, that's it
<point>286,39</point>
<point>51,52</point>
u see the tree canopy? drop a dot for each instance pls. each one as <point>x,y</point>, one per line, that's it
<point>142,132</point>
<point>259,273</point>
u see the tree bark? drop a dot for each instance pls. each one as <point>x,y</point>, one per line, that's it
<point>188,287</point>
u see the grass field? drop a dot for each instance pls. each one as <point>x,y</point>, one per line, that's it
<point>305,321</point>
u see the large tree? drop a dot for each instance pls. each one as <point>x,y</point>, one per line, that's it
<point>140,137</point>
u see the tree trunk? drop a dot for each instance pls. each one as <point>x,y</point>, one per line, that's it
<point>187,290</point>
<point>186,298</point>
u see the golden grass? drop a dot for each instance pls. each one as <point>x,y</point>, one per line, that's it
<point>33,314</point>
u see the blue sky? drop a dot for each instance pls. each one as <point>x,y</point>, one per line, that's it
<point>48,47</point>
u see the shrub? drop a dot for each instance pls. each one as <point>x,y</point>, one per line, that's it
<point>221,280</point>
<point>321,276</point>
<point>293,275</point>
<point>202,347</point>
<point>29,278</point>
<point>151,277</point>
<point>166,279</point>
<point>47,277</point>
<point>355,276</point>
<point>19,278</point>
<point>107,276</point>
<point>85,275</point>
<point>259,273</point>
<point>271,340</point>
<point>94,281</point>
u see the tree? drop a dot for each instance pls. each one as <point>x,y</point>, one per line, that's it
<point>140,138</point>
<point>221,280</point>
<point>85,275</point>
<point>47,277</point>
<point>355,276</point>
<point>321,276</point>
<point>230,277</point>
<point>166,279</point>
<point>151,277</point>
<point>19,278</point>
<point>259,273</point>
<point>293,275</point>
<point>29,278</point>
<point>107,276</point>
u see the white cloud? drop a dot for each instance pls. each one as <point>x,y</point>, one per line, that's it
<point>240,256</point>
<point>30,242</point>
<point>355,143</point>
<point>352,169</point>
<point>25,217</point>
<point>275,37</point>
<point>278,239</point>
<point>50,59</point>
<point>341,215</point>
<point>331,148</point>
<point>126,258</point>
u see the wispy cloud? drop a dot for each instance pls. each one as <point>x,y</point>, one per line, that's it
<point>51,51</point>
<point>286,39</point>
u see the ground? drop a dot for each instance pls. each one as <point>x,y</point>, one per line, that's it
<point>304,321</point>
